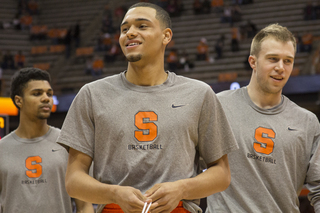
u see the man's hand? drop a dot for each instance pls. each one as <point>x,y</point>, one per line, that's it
<point>130,199</point>
<point>165,196</point>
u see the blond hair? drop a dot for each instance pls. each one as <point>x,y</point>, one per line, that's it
<point>275,31</point>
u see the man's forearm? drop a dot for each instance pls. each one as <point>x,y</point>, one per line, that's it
<point>81,185</point>
<point>214,179</point>
<point>83,207</point>
<point>84,187</point>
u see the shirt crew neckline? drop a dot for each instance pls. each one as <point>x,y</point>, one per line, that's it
<point>148,89</point>
<point>274,110</point>
<point>33,140</point>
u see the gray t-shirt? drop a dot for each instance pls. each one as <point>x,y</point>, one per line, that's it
<point>32,174</point>
<point>140,135</point>
<point>279,153</point>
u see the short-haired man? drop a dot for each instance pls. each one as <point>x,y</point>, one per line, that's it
<point>279,141</point>
<point>145,129</point>
<point>32,164</point>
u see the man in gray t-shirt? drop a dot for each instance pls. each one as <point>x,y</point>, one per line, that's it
<point>145,129</point>
<point>32,164</point>
<point>279,141</point>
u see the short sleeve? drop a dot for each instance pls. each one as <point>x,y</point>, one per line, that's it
<point>77,130</point>
<point>215,135</point>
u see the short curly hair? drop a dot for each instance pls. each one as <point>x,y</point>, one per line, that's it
<point>23,76</point>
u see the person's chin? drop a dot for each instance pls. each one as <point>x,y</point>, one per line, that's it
<point>44,116</point>
<point>134,57</point>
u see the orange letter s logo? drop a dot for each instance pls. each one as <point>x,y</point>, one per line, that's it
<point>33,166</point>
<point>264,144</point>
<point>143,121</point>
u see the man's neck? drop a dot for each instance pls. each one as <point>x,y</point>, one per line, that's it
<point>262,99</point>
<point>32,129</point>
<point>149,75</point>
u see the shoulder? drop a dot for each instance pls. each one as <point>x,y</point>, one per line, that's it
<point>103,84</point>
<point>55,130</point>
<point>229,93</point>
<point>95,87</point>
<point>53,134</point>
<point>182,80</point>
<point>6,142</point>
<point>6,139</point>
<point>299,111</point>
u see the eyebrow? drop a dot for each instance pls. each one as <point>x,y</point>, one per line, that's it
<point>137,19</point>
<point>41,90</point>
<point>278,55</point>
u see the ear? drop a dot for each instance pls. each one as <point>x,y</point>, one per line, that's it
<point>18,100</point>
<point>252,61</point>
<point>167,36</point>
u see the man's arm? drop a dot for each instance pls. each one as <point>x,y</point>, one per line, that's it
<point>314,195</point>
<point>166,196</point>
<point>81,185</point>
<point>83,207</point>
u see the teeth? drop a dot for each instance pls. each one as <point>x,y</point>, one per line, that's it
<point>132,44</point>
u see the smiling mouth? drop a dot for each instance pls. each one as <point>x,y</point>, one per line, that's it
<point>276,78</point>
<point>133,44</point>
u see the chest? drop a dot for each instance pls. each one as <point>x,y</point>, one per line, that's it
<point>28,162</point>
<point>273,136</point>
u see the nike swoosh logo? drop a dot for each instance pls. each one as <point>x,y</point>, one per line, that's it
<point>176,106</point>
<point>290,129</point>
<point>55,150</point>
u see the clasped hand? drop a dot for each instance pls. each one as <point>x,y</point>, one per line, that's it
<point>164,197</point>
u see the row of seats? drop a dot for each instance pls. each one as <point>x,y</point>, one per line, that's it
<point>188,29</point>
<point>48,49</point>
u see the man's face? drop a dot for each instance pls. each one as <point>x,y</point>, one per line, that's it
<point>37,101</point>
<point>141,34</point>
<point>273,66</point>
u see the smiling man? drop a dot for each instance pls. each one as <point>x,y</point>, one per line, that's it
<point>145,129</point>
<point>279,141</point>
<point>32,164</point>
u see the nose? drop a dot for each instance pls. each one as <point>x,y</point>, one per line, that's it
<point>132,32</point>
<point>45,98</point>
<point>280,66</point>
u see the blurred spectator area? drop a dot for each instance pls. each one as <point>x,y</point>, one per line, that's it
<point>99,24</point>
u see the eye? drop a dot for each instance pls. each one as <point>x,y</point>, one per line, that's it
<point>49,94</point>
<point>288,61</point>
<point>143,26</point>
<point>273,59</point>
<point>125,29</point>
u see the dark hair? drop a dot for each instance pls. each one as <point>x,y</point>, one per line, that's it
<point>161,14</point>
<point>22,77</point>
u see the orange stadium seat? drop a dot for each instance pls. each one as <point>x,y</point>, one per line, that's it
<point>35,29</point>
<point>57,48</point>
<point>228,76</point>
<point>84,51</point>
<point>53,33</point>
<point>39,50</point>
<point>43,66</point>
<point>62,33</point>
